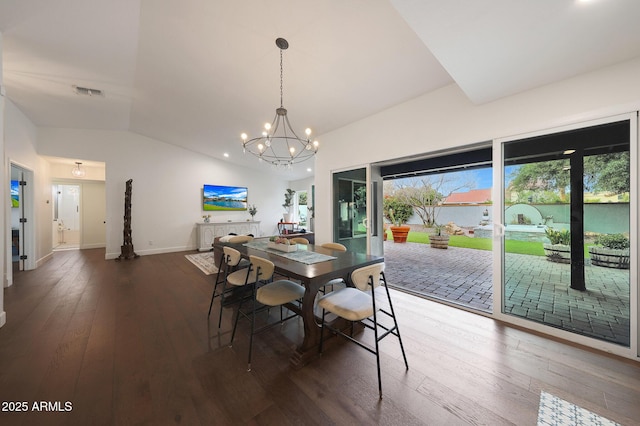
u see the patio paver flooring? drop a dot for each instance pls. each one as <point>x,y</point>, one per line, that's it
<point>535,288</point>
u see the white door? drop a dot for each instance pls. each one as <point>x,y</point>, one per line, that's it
<point>93,215</point>
<point>66,221</point>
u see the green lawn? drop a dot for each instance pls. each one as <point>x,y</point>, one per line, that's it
<point>512,246</point>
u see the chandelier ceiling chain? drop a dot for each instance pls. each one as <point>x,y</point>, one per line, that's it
<point>281,78</point>
<point>279,144</point>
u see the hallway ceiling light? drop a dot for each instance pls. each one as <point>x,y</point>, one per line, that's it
<point>77,171</point>
<point>279,144</point>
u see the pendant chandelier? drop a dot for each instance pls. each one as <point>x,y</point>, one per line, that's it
<point>77,171</point>
<point>279,144</point>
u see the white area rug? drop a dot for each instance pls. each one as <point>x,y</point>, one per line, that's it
<point>558,412</point>
<point>204,262</point>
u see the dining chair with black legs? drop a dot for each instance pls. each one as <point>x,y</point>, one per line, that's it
<point>221,275</point>
<point>336,281</point>
<point>267,293</point>
<point>231,262</point>
<point>364,303</point>
<point>334,246</point>
<point>300,240</point>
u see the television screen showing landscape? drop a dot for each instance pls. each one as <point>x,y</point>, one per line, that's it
<point>15,194</point>
<point>216,197</point>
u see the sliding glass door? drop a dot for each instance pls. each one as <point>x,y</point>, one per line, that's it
<point>567,218</point>
<point>350,209</point>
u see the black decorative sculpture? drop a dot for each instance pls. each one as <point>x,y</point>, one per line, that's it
<point>126,250</point>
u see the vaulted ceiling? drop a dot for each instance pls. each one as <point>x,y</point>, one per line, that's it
<point>197,73</point>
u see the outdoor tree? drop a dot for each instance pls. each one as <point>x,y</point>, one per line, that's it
<point>542,176</point>
<point>608,173</point>
<point>426,194</point>
<point>602,173</point>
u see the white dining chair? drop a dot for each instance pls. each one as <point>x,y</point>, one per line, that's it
<point>330,285</point>
<point>334,246</point>
<point>364,303</point>
<point>265,292</point>
<point>230,261</point>
<point>300,240</point>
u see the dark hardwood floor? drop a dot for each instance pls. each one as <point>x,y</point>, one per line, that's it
<point>129,343</point>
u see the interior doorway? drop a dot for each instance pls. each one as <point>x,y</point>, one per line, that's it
<point>66,216</point>
<point>21,244</point>
<point>17,218</point>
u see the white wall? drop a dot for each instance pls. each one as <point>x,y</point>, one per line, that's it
<point>166,189</point>
<point>446,119</point>
<point>21,149</point>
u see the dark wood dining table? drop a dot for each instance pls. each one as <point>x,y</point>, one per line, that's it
<point>312,277</point>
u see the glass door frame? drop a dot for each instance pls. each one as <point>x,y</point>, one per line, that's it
<point>375,228</point>
<point>498,241</point>
<point>357,174</point>
<point>374,219</point>
<point>28,236</point>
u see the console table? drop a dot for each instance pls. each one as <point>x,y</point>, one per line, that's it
<point>286,227</point>
<point>206,232</point>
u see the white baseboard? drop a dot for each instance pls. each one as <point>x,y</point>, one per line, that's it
<point>92,246</point>
<point>44,259</point>
<point>148,252</point>
<point>3,318</point>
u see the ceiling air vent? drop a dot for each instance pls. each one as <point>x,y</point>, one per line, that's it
<point>87,91</point>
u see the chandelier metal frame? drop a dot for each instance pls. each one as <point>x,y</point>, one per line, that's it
<point>279,144</point>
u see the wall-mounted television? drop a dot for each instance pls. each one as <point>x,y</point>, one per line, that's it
<point>15,193</point>
<point>224,198</point>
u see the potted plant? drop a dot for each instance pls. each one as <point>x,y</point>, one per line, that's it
<point>440,239</point>
<point>559,250</point>
<point>398,213</point>
<point>611,251</point>
<point>288,202</point>
<point>253,210</point>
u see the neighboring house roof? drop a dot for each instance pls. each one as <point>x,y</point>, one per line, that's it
<point>475,196</point>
